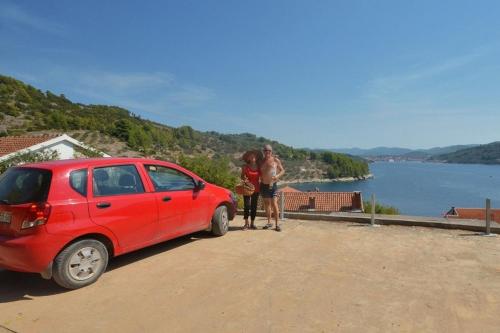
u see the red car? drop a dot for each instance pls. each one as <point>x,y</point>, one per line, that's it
<point>65,219</point>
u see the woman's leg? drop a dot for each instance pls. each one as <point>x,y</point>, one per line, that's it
<point>253,208</point>
<point>246,209</point>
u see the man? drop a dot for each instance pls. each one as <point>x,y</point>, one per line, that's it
<point>271,170</point>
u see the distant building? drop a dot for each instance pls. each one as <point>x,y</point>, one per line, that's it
<point>65,146</point>
<point>472,213</point>
<point>319,202</point>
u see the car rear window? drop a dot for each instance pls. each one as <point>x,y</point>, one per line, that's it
<point>24,185</point>
<point>78,181</point>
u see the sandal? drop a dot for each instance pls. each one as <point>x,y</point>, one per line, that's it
<point>278,228</point>
<point>245,227</point>
<point>253,226</point>
<point>267,226</point>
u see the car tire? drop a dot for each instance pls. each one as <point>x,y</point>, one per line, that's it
<point>80,264</point>
<point>220,221</point>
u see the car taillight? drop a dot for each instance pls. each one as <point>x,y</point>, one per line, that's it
<point>38,214</point>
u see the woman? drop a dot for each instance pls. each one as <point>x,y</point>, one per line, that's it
<point>250,172</point>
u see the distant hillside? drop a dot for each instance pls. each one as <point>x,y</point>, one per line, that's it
<point>401,153</point>
<point>482,154</point>
<point>24,108</point>
<point>377,151</point>
<point>427,153</point>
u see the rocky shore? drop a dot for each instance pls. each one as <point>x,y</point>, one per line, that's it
<point>325,180</point>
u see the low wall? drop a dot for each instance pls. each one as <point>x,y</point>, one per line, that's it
<point>417,221</point>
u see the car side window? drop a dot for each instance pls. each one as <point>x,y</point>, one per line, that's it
<point>78,181</point>
<point>115,180</point>
<point>168,179</point>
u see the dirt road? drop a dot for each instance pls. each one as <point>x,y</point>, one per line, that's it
<point>312,277</point>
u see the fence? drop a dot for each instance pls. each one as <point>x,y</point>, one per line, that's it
<point>350,207</point>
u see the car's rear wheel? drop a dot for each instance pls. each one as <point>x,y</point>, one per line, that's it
<point>220,221</point>
<point>80,264</point>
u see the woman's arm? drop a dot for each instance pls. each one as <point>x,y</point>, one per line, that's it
<point>243,174</point>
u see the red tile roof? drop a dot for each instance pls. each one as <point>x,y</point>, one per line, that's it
<point>321,201</point>
<point>289,189</point>
<point>473,213</point>
<point>11,144</point>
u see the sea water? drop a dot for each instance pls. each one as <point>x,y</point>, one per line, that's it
<point>426,189</point>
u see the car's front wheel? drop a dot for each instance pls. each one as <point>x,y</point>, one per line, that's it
<point>80,264</point>
<point>220,221</point>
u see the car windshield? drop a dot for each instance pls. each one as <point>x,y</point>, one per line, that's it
<point>24,185</point>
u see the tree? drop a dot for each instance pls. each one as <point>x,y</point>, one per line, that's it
<point>215,170</point>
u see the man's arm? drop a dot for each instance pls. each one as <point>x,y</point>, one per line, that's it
<point>280,169</point>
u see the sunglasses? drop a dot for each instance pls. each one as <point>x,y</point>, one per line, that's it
<point>267,150</point>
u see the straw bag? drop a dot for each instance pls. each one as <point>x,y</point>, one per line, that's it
<point>245,188</point>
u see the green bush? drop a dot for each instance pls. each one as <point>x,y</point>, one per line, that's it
<point>380,209</point>
<point>214,170</point>
<point>30,157</point>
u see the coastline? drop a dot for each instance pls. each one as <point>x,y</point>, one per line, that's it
<point>325,180</point>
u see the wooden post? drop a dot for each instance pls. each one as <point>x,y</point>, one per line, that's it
<point>373,210</point>
<point>488,216</point>
<point>488,219</point>
<point>282,205</point>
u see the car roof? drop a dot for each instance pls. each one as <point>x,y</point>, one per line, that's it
<point>89,162</point>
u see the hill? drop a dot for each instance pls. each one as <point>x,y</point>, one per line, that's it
<point>24,108</point>
<point>427,153</point>
<point>482,154</point>
<point>396,153</point>
<point>377,151</point>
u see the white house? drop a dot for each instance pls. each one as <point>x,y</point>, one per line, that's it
<point>65,145</point>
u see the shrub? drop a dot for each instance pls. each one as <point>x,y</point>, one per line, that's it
<point>380,209</point>
<point>214,170</point>
<point>30,157</point>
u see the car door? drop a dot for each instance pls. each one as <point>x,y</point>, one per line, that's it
<point>120,203</point>
<point>176,195</point>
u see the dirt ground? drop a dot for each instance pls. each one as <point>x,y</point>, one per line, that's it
<point>312,277</point>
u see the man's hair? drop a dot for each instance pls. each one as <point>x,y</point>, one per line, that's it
<point>268,147</point>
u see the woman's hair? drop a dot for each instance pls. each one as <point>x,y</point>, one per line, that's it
<point>252,153</point>
<point>248,156</point>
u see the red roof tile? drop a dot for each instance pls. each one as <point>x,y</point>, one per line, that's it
<point>11,144</point>
<point>321,201</point>
<point>473,213</point>
<point>289,189</point>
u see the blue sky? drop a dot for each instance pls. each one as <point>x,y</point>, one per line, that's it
<point>317,74</point>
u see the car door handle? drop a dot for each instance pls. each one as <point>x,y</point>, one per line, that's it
<point>103,205</point>
<point>166,199</point>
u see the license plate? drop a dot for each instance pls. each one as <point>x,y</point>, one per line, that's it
<point>5,217</point>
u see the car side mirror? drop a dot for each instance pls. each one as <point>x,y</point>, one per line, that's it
<point>200,185</point>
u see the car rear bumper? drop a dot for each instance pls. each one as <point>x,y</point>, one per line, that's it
<point>32,253</point>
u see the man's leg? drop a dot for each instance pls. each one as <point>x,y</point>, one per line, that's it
<point>268,203</point>
<point>275,210</point>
